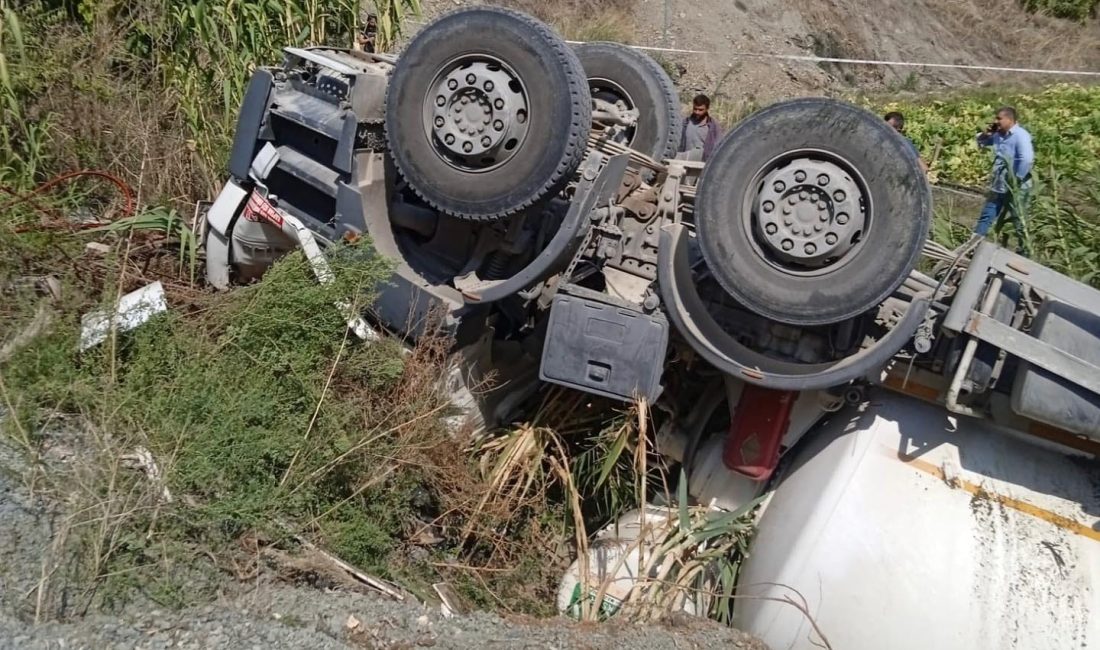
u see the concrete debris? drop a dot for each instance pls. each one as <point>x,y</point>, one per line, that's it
<point>133,310</point>
<point>143,460</point>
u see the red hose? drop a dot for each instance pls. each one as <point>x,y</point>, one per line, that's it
<point>122,187</point>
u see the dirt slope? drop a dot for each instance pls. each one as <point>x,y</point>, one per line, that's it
<point>976,32</point>
<point>983,32</point>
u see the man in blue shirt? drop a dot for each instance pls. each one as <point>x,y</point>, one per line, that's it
<point>1010,188</point>
<point>897,120</point>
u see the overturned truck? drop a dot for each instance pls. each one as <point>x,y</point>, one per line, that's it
<point>924,421</point>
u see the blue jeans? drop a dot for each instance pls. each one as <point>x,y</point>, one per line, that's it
<point>999,205</point>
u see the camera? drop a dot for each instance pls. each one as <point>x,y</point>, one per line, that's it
<point>992,126</point>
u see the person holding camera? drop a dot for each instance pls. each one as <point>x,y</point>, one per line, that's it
<point>1010,186</point>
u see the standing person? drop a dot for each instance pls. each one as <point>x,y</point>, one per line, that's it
<point>1010,186</point>
<point>897,120</point>
<point>701,132</point>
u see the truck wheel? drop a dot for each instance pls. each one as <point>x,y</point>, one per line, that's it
<point>487,113</point>
<point>630,80</point>
<point>812,211</point>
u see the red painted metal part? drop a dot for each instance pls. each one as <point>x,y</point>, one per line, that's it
<point>758,425</point>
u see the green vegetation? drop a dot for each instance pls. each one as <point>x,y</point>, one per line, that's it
<point>1064,220</point>
<point>1078,10</point>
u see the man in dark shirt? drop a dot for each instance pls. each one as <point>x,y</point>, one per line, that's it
<point>897,120</point>
<point>701,132</point>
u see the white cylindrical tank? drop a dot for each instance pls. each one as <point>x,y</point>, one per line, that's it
<point>900,527</point>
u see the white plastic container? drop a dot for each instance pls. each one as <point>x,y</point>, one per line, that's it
<point>615,562</point>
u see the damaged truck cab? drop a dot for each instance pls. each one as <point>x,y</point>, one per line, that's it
<point>924,421</point>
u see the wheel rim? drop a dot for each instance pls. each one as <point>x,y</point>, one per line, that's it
<point>476,113</point>
<point>807,213</point>
<point>612,106</point>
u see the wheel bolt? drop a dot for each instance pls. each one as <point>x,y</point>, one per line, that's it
<point>824,218</point>
<point>486,141</point>
<point>838,196</point>
<point>768,206</point>
<point>471,79</point>
<point>449,139</point>
<point>465,100</point>
<point>842,218</point>
<point>799,176</point>
<point>452,84</point>
<point>467,146</point>
<point>439,122</point>
<point>498,125</point>
<point>787,210</point>
<point>521,116</point>
<point>770,228</point>
<point>818,227</point>
<point>830,239</point>
<point>787,244</point>
<point>488,86</point>
<point>792,200</point>
<point>802,195</point>
<point>823,180</point>
<point>821,205</point>
<point>499,104</point>
<point>440,100</point>
<point>779,186</point>
<point>787,222</point>
<point>810,249</point>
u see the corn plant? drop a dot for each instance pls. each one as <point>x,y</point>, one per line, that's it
<point>161,220</point>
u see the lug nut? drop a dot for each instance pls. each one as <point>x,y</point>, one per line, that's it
<point>823,180</point>
<point>799,176</point>
<point>452,84</point>
<point>471,79</point>
<point>821,205</point>
<point>768,206</point>
<point>465,100</point>
<point>439,122</point>
<point>467,146</point>
<point>810,249</point>
<point>787,244</point>
<point>771,228</point>
<point>802,195</point>
<point>498,125</point>
<point>499,104</point>
<point>787,222</point>
<point>488,86</point>
<point>830,239</point>
<point>486,141</point>
<point>842,218</point>
<point>440,100</point>
<point>449,139</point>
<point>787,210</point>
<point>779,186</point>
<point>521,116</point>
<point>838,196</point>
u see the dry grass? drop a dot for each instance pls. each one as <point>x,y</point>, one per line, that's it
<point>583,20</point>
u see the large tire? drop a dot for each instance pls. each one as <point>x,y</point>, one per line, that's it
<point>812,211</point>
<point>508,139</point>
<point>618,72</point>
